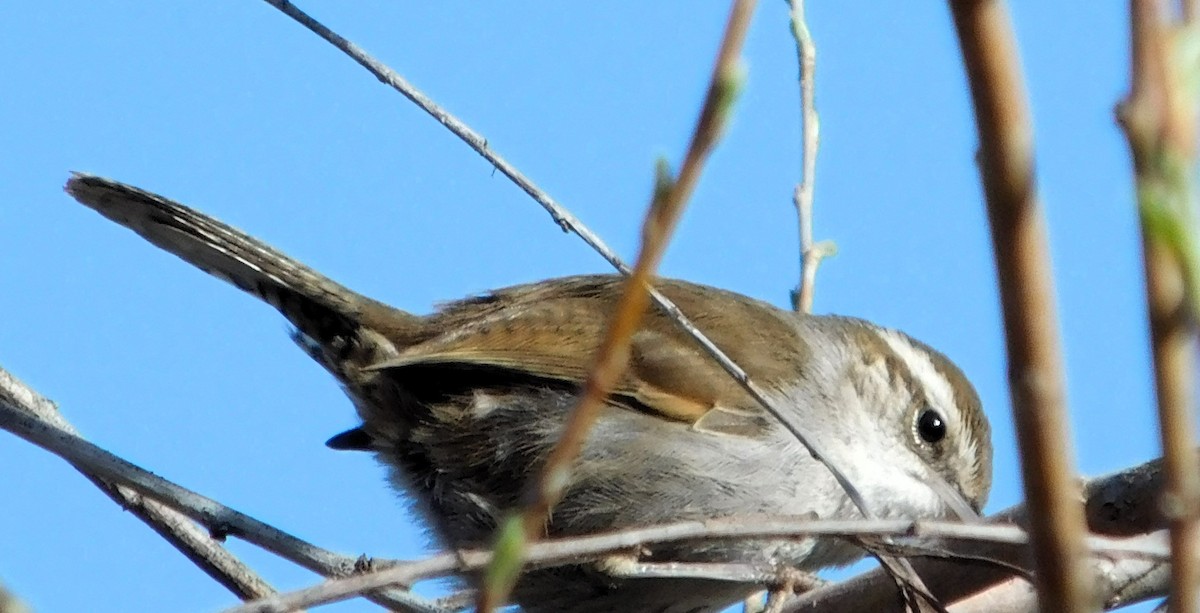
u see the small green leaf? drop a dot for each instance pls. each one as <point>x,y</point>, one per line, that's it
<point>508,556</point>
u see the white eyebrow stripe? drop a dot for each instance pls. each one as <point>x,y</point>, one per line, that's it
<point>937,388</point>
<point>939,392</point>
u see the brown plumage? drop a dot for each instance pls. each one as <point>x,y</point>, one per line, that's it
<point>464,404</point>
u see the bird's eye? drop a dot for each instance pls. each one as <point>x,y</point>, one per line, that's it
<point>931,426</point>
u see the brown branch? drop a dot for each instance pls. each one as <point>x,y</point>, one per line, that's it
<point>1120,582</point>
<point>611,360</point>
<point>628,567</point>
<point>1172,339</point>
<point>1160,121</point>
<point>665,210</point>
<point>1027,296</point>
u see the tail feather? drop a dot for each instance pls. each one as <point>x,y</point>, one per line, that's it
<point>319,307</point>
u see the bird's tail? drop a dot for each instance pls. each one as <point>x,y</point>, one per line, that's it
<point>320,308</point>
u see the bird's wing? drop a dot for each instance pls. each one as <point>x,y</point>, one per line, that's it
<point>551,331</point>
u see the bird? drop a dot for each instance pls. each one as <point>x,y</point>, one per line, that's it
<point>463,405</point>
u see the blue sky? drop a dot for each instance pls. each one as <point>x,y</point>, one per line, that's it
<point>233,108</point>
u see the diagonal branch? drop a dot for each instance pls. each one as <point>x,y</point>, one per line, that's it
<point>612,358</point>
<point>21,411</point>
<point>183,534</point>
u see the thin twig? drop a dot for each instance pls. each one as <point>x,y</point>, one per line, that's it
<point>195,543</point>
<point>776,598</point>
<point>1159,118</point>
<point>756,602</point>
<point>612,357</point>
<point>579,549</point>
<point>787,585</point>
<point>628,567</point>
<point>458,601</point>
<point>564,218</point>
<point>19,415</point>
<point>1027,296</point>
<point>810,254</point>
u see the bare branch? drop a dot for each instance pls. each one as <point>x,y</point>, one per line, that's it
<point>196,544</point>
<point>1027,296</point>
<point>810,254</point>
<point>942,538</point>
<point>21,415</point>
<point>625,566</point>
<point>564,218</point>
<point>1159,118</point>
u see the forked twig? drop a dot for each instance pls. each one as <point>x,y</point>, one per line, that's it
<point>1027,296</point>
<point>1159,118</point>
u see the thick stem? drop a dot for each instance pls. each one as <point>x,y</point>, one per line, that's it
<point>1019,240</point>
